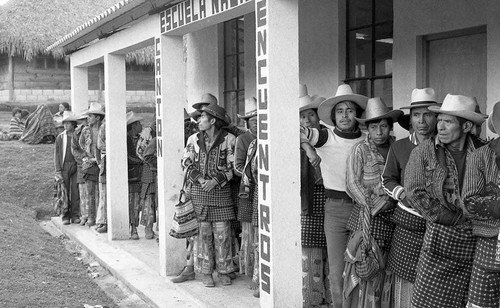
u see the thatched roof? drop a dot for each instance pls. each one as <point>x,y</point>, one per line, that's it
<point>28,27</point>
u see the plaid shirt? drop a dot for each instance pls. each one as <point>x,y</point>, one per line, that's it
<point>431,180</point>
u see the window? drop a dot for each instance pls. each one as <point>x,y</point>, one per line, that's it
<point>234,72</point>
<point>369,47</point>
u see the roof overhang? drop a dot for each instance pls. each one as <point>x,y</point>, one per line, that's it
<point>119,17</point>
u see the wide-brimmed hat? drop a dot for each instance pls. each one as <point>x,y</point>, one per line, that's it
<point>132,117</point>
<point>494,119</point>
<point>216,111</point>
<point>460,106</point>
<point>96,108</point>
<point>195,115</point>
<point>376,109</point>
<point>68,116</point>
<point>83,115</point>
<point>250,109</point>
<point>425,97</point>
<point>206,99</point>
<point>344,93</point>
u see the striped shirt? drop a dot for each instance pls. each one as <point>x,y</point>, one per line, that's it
<point>364,168</point>
<point>16,126</point>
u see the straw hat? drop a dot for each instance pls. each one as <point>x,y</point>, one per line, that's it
<point>422,98</point>
<point>460,106</point>
<point>68,116</point>
<point>132,117</point>
<point>344,93</point>
<point>377,110</point>
<point>82,115</point>
<point>206,99</point>
<point>250,109</point>
<point>96,108</point>
<point>216,111</point>
<point>494,119</point>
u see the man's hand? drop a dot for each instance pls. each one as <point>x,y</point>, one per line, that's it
<point>208,185</point>
<point>58,177</point>
<point>314,158</point>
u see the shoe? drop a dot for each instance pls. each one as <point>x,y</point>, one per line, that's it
<point>83,221</point>
<point>90,223</point>
<point>75,220</point>
<point>65,221</point>
<point>225,280</point>
<point>232,275</point>
<point>133,233</point>
<point>102,229</point>
<point>186,274</point>
<point>149,233</point>
<point>208,281</point>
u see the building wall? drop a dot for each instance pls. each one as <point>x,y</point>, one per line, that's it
<point>321,59</point>
<point>202,61</point>
<point>414,19</point>
<point>250,66</point>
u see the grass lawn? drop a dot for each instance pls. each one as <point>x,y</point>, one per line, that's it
<point>37,270</point>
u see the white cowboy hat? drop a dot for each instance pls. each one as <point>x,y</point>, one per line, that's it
<point>494,119</point>
<point>422,98</point>
<point>344,93</point>
<point>82,115</point>
<point>68,116</point>
<point>250,109</point>
<point>460,106</point>
<point>376,109</point>
<point>132,117</point>
<point>206,99</point>
<point>96,108</point>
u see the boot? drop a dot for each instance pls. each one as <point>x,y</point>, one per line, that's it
<point>133,233</point>
<point>208,281</point>
<point>186,274</point>
<point>83,221</point>
<point>102,228</point>
<point>149,231</point>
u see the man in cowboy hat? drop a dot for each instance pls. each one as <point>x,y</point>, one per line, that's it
<point>482,206</point>
<point>66,168</point>
<point>209,159</point>
<point>91,158</point>
<point>102,212</point>
<point>315,284</point>
<point>434,179</point>
<point>410,226</point>
<point>333,146</point>
<point>134,128</point>
<point>77,152</point>
<point>373,207</point>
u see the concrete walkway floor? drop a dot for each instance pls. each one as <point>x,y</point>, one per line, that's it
<point>136,264</point>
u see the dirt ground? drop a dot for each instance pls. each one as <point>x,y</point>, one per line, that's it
<point>37,269</point>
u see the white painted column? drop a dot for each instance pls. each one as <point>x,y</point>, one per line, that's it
<point>170,103</point>
<point>279,180</point>
<point>79,88</point>
<point>116,147</point>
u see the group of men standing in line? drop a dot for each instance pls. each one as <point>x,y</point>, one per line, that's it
<point>80,164</point>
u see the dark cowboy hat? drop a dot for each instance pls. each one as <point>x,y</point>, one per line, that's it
<point>217,112</point>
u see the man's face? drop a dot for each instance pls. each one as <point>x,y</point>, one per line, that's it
<point>62,108</point>
<point>92,119</point>
<point>423,121</point>
<point>138,128</point>
<point>344,116</point>
<point>204,122</point>
<point>449,129</point>
<point>309,118</point>
<point>379,131</point>
<point>68,126</point>
<point>252,125</point>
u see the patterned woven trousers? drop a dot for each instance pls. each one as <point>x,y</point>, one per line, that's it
<point>213,248</point>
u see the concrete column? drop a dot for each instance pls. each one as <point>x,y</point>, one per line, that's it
<point>170,103</point>
<point>279,181</point>
<point>79,88</point>
<point>116,147</point>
